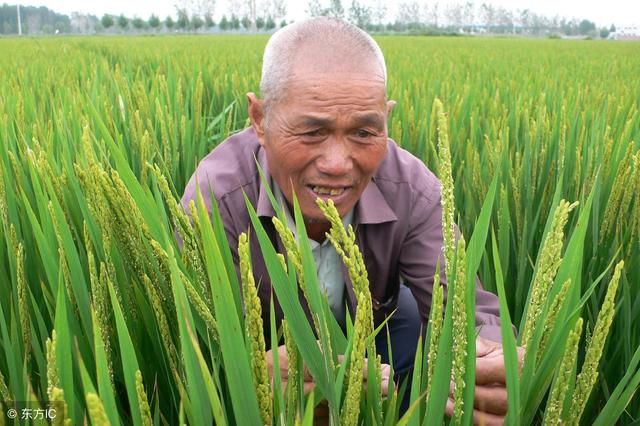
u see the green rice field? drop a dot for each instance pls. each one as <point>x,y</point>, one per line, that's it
<point>106,318</point>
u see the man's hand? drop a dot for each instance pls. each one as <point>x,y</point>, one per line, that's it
<point>309,384</point>
<point>490,398</point>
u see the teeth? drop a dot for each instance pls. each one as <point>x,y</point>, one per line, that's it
<point>322,190</point>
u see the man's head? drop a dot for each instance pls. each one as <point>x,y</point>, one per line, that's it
<point>322,119</point>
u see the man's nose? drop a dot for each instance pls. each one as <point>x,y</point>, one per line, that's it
<point>336,160</point>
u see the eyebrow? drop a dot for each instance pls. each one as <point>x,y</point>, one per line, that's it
<point>370,119</point>
<point>366,119</point>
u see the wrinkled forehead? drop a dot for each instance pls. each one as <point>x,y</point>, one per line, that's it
<point>333,59</point>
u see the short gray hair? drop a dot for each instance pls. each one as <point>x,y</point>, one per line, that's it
<point>284,45</point>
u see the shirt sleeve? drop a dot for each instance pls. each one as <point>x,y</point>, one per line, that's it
<point>419,254</point>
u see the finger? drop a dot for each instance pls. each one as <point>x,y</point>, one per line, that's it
<point>485,347</point>
<point>385,372</point>
<point>521,352</point>
<point>308,387</point>
<point>491,399</point>
<point>479,417</point>
<point>490,370</point>
<point>488,419</point>
<point>448,409</point>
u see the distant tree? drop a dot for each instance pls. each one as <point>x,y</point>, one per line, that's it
<point>169,22</point>
<point>208,21</point>
<point>433,14</point>
<point>379,12</point>
<point>314,8</point>
<point>488,15</point>
<point>283,23</point>
<point>204,9</point>
<point>123,22</point>
<point>224,23</point>
<point>454,14</point>
<point>359,14</point>
<point>197,22</point>
<point>183,19</point>
<point>504,20</point>
<point>525,19</point>
<point>235,22</point>
<point>408,14</point>
<point>270,24</point>
<point>246,22</point>
<point>468,14</point>
<point>137,23</point>
<point>586,27</point>
<point>612,29</point>
<point>260,22</point>
<point>335,9</point>
<point>604,32</point>
<point>154,21</point>
<point>107,21</point>
<point>277,9</point>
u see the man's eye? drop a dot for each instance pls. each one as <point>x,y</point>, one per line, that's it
<point>313,133</point>
<point>363,134</point>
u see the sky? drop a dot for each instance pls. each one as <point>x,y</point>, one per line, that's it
<point>602,12</point>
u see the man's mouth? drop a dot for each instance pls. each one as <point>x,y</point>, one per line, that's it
<point>328,190</point>
<point>324,190</point>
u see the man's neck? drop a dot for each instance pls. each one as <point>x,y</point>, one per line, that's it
<point>317,231</point>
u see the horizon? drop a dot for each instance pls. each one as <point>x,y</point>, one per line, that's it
<point>614,12</point>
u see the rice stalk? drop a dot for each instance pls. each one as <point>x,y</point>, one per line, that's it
<point>351,408</point>
<point>564,372</point>
<point>618,188</point>
<point>96,410</point>
<point>23,304</point>
<point>163,325</point>
<point>186,230</point>
<point>4,391</point>
<point>436,321</point>
<point>62,410</point>
<point>589,372</point>
<point>549,261</point>
<point>254,330</point>
<point>64,264</point>
<point>52,372</point>
<point>291,247</point>
<point>460,319</point>
<point>100,299</point>
<point>552,317</point>
<point>446,177</point>
<point>632,176</point>
<point>145,411</point>
<point>293,374</point>
<point>4,210</point>
<point>345,245</point>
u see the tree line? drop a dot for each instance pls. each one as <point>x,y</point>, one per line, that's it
<point>417,17</point>
<point>454,17</point>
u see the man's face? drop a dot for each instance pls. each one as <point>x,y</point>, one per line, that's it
<point>326,138</point>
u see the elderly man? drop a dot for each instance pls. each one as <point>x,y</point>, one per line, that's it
<point>320,130</point>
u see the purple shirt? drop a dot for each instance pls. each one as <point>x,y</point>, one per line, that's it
<point>398,225</point>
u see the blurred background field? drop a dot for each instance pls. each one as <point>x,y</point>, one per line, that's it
<point>560,112</point>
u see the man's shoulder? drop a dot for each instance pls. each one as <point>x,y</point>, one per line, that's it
<point>402,171</point>
<point>229,167</point>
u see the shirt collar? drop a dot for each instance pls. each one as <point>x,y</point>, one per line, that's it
<point>372,207</point>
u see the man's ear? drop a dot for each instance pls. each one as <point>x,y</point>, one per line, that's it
<point>390,105</point>
<point>256,115</point>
